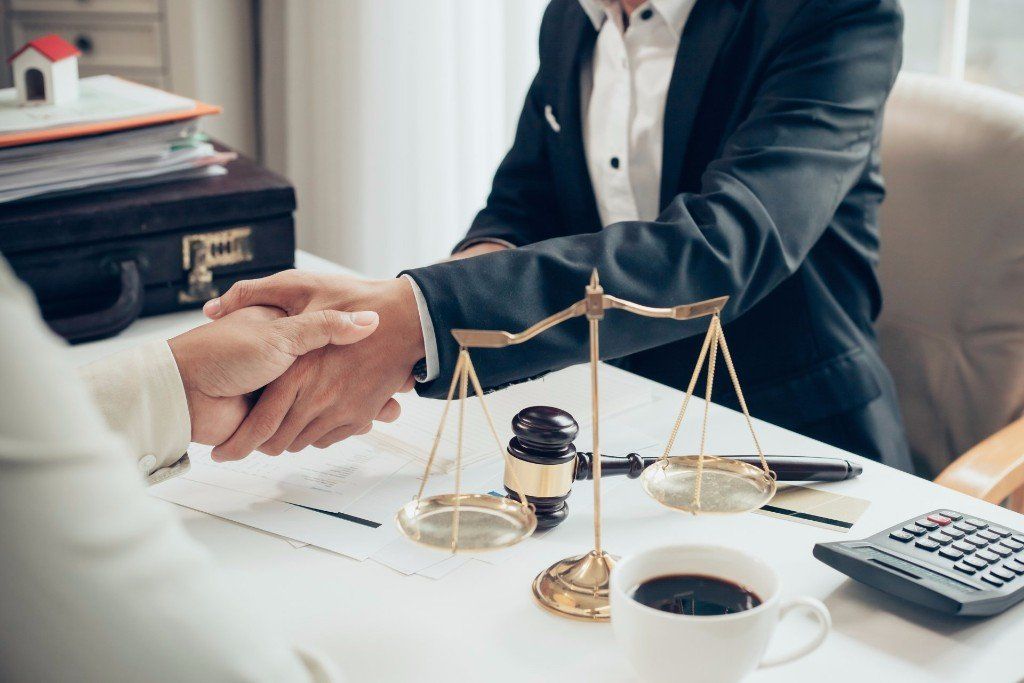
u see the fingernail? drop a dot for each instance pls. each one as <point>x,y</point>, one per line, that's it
<point>364,318</point>
<point>212,307</point>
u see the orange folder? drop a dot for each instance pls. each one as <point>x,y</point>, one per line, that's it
<point>29,137</point>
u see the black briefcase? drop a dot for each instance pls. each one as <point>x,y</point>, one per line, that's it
<point>98,260</point>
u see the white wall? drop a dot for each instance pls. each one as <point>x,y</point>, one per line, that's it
<point>390,118</point>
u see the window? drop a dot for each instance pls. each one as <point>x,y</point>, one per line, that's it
<point>977,40</point>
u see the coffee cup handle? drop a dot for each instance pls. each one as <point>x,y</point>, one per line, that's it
<point>821,615</point>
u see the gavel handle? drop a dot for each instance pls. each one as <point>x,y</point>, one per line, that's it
<point>786,467</point>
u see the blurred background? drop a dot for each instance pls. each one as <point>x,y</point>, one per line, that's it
<point>390,116</point>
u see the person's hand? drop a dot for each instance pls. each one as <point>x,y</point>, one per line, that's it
<point>335,392</point>
<point>222,362</point>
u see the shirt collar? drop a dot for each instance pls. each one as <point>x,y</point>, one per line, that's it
<point>674,12</point>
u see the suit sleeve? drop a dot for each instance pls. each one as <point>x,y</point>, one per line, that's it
<point>762,205</point>
<point>140,394</point>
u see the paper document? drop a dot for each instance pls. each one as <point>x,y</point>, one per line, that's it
<point>357,541</point>
<point>569,389</point>
<point>100,98</point>
<point>814,506</point>
<point>329,479</point>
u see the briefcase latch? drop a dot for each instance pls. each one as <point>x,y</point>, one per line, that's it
<point>201,253</point>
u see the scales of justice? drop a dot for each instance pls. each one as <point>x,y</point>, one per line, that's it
<point>577,587</point>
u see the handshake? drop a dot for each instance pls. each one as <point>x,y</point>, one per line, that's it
<point>298,359</point>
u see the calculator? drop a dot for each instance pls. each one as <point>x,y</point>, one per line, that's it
<point>942,560</point>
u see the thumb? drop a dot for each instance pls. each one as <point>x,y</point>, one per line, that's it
<point>287,290</point>
<point>309,331</point>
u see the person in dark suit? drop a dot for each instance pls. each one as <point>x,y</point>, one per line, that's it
<point>685,149</point>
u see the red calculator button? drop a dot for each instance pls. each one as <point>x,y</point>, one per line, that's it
<point>940,519</point>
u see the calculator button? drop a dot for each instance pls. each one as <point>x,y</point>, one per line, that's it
<point>977,542</point>
<point>975,562</point>
<point>954,533</point>
<point>987,556</point>
<point>1013,545</point>
<point>999,530</point>
<point>1018,538</point>
<point>901,536</point>
<point>992,580</point>
<point>940,537</point>
<point>964,567</point>
<point>940,520</point>
<point>964,526</point>
<point>955,516</point>
<point>951,554</point>
<point>915,529</point>
<point>927,544</point>
<point>1003,574</point>
<point>976,523</point>
<point>1015,566</point>
<point>927,523</point>
<point>964,547</point>
<point>988,535</point>
<point>1000,550</point>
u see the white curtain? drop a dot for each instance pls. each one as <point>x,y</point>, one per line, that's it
<point>390,117</point>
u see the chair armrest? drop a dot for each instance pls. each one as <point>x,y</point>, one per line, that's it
<point>991,470</point>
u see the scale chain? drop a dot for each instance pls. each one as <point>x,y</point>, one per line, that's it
<point>716,326</point>
<point>689,393</point>
<point>458,450</point>
<point>742,401</point>
<point>490,423</point>
<point>440,427</point>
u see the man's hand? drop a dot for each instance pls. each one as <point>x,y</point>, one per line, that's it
<point>222,362</point>
<point>335,392</point>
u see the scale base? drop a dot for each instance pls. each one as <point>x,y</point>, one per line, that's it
<point>577,587</point>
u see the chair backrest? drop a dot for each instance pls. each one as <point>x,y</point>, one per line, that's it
<point>952,262</point>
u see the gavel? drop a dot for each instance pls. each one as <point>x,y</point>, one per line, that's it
<point>545,463</point>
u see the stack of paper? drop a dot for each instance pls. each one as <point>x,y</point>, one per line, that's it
<point>117,133</point>
<point>344,498</point>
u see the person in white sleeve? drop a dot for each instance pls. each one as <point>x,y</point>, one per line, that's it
<point>98,581</point>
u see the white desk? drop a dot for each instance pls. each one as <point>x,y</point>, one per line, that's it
<point>479,623</point>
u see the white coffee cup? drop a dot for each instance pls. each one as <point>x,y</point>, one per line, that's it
<point>704,649</point>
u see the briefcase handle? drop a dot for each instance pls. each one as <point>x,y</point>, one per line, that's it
<point>112,319</point>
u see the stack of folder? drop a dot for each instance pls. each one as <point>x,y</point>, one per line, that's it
<point>117,134</point>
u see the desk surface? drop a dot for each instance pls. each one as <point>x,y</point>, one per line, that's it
<point>480,623</point>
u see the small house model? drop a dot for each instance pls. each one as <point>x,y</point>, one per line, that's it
<point>46,71</point>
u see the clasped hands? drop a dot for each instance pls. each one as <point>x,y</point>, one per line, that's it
<point>298,359</point>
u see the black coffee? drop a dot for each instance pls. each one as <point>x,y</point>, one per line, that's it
<point>695,594</point>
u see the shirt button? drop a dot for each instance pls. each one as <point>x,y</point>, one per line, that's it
<point>147,463</point>
<point>647,14</point>
<point>615,162</point>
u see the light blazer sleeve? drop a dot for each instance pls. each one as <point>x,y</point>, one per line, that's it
<point>762,205</point>
<point>100,581</point>
<point>140,394</point>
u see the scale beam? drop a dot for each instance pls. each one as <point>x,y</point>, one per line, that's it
<point>498,339</point>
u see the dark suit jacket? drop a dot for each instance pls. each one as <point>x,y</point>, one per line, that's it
<point>770,191</point>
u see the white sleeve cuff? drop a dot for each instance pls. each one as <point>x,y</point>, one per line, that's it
<point>427,326</point>
<point>139,392</point>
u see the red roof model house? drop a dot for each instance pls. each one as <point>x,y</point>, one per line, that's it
<point>46,71</point>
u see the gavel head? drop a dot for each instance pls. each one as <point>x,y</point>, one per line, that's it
<point>543,461</point>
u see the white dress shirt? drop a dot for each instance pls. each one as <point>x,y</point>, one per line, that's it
<point>623,86</point>
<point>98,581</point>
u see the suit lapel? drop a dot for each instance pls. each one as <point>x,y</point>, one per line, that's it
<point>706,32</point>
<point>580,36</point>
